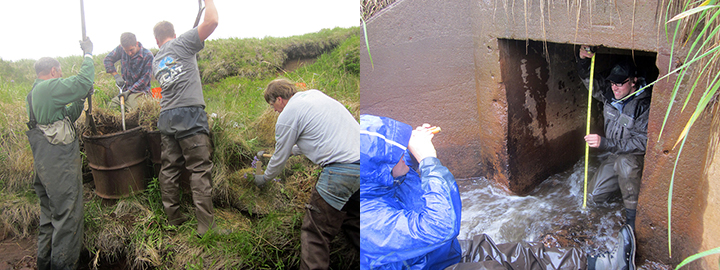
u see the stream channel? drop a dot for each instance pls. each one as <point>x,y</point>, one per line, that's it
<point>552,213</point>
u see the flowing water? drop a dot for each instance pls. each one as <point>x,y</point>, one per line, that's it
<point>552,213</point>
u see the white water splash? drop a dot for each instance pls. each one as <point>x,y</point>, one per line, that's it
<point>555,204</point>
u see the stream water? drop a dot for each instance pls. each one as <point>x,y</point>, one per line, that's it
<point>552,213</point>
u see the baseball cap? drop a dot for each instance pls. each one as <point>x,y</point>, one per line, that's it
<point>621,71</point>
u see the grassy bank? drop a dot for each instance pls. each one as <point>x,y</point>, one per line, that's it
<point>265,222</point>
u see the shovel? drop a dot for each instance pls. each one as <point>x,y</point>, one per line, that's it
<point>122,106</point>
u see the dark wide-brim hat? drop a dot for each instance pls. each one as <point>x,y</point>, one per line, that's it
<point>621,72</point>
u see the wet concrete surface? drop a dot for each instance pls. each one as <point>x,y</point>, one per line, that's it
<point>546,112</point>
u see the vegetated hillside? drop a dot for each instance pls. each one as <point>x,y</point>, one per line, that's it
<point>265,222</point>
<point>257,58</point>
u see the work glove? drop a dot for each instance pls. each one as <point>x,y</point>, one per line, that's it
<point>124,95</point>
<point>260,180</point>
<point>86,45</point>
<point>119,80</point>
<point>91,92</point>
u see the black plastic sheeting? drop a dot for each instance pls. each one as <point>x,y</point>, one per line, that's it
<point>482,253</point>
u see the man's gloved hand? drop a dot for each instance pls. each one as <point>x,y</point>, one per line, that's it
<point>119,80</point>
<point>91,92</point>
<point>86,45</point>
<point>124,95</point>
<point>260,180</point>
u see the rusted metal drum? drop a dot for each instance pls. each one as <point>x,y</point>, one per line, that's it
<point>153,140</point>
<point>118,162</point>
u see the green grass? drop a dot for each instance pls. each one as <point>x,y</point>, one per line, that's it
<point>336,73</point>
<point>265,222</point>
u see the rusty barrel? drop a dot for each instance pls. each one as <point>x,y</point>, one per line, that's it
<point>118,162</point>
<point>153,141</point>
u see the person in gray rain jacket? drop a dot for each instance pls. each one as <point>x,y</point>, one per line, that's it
<point>626,117</point>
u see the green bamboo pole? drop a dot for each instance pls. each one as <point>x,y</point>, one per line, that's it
<point>587,128</point>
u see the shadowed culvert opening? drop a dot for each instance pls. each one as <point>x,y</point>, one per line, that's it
<point>547,105</point>
<point>547,110</point>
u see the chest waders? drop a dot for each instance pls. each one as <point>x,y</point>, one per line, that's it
<point>58,185</point>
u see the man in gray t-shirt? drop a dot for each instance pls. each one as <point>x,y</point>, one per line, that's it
<point>183,122</point>
<point>321,128</point>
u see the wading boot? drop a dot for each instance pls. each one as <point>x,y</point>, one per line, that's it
<point>630,218</point>
<point>624,256</point>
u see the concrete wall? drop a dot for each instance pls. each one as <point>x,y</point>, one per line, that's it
<point>443,62</point>
<point>423,73</point>
<point>711,193</point>
<point>691,180</point>
<point>546,111</point>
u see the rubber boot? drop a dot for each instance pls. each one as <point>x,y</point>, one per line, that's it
<point>624,256</point>
<point>630,218</point>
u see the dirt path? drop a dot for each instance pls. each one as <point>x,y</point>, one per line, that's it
<point>18,253</point>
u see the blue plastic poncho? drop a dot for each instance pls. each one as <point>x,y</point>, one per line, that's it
<point>409,222</point>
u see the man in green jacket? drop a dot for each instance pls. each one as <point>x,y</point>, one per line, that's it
<point>54,103</point>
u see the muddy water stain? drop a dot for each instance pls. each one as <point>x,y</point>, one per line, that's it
<point>552,213</point>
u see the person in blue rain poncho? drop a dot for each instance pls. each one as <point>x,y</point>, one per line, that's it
<point>410,213</point>
<point>406,218</point>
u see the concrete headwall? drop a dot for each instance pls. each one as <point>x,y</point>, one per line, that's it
<point>711,195</point>
<point>423,73</point>
<point>464,65</point>
<point>694,207</point>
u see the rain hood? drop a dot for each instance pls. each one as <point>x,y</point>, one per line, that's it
<point>409,222</point>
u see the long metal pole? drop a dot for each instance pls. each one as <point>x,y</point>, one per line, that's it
<point>82,18</point>
<point>88,112</point>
